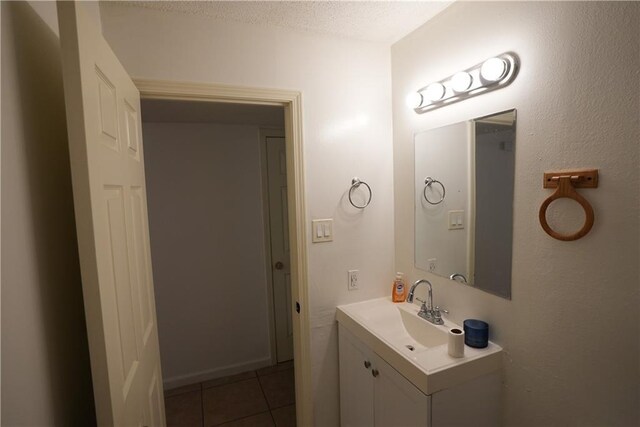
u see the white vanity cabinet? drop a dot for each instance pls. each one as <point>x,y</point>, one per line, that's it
<point>395,371</point>
<point>373,393</point>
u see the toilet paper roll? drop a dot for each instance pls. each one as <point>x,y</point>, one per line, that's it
<point>456,342</point>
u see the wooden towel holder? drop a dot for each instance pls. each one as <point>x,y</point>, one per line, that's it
<point>566,182</point>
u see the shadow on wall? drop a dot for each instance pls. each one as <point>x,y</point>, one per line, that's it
<point>40,267</point>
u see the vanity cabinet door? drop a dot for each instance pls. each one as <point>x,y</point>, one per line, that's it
<point>356,381</point>
<point>397,402</point>
<point>373,393</point>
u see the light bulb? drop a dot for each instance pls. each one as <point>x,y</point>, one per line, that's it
<point>493,69</point>
<point>414,100</point>
<point>434,92</point>
<point>461,81</point>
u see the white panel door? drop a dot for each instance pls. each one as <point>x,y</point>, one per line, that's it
<point>105,141</point>
<point>280,251</point>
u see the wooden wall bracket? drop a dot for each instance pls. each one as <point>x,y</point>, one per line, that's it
<point>566,182</point>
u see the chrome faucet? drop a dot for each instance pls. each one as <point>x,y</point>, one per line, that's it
<point>413,288</point>
<point>427,311</point>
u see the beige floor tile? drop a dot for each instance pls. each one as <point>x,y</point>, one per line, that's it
<point>181,390</point>
<point>275,368</point>
<point>285,416</point>
<point>232,401</point>
<point>184,410</point>
<point>229,379</point>
<point>279,388</point>
<point>261,420</point>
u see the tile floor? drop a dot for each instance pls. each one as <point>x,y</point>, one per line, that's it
<point>262,398</point>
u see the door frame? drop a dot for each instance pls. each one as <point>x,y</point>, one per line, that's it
<point>292,103</point>
<point>266,222</point>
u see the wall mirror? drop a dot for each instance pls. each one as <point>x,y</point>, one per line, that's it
<point>464,179</point>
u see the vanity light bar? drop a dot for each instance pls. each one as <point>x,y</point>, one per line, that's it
<point>492,74</point>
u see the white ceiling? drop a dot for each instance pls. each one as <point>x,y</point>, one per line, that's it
<point>376,21</point>
<point>163,111</point>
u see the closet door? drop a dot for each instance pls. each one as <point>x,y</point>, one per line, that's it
<point>280,251</point>
<point>105,143</point>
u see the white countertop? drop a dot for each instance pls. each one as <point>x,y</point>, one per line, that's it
<point>387,328</point>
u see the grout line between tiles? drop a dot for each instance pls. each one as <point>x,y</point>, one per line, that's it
<point>202,404</point>
<point>202,385</point>
<point>282,406</point>
<point>242,418</point>
<point>173,394</point>
<point>273,419</point>
<point>266,400</point>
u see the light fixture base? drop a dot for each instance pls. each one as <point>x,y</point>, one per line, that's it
<point>471,82</point>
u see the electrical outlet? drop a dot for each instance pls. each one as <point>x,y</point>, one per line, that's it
<point>353,280</point>
<point>433,262</point>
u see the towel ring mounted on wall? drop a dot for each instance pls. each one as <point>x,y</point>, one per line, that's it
<point>566,182</point>
<point>427,183</point>
<point>355,183</point>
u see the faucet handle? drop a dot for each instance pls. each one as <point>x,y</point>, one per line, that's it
<point>437,316</point>
<point>441,310</point>
<point>423,307</point>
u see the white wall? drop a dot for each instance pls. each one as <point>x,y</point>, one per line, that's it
<point>347,132</point>
<point>204,197</point>
<point>571,332</point>
<point>46,378</point>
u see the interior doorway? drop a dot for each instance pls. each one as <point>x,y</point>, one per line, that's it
<point>292,103</point>
<point>219,229</point>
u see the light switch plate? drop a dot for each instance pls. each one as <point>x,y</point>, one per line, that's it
<point>456,220</point>
<point>322,230</point>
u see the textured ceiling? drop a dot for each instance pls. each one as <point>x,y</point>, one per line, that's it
<point>377,21</point>
<point>154,110</point>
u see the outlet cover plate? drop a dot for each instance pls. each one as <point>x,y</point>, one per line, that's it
<point>353,282</point>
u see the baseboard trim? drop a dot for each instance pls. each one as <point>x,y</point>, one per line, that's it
<point>211,374</point>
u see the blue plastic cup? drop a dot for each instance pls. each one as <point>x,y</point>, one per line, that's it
<point>476,333</point>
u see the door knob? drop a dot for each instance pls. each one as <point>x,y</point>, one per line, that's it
<point>279,265</point>
<point>375,372</point>
<point>367,364</point>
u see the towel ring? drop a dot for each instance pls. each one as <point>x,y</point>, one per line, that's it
<point>427,183</point>
<point>355,183</point>
<point>565,184</point>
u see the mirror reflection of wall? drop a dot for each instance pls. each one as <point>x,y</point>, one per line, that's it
<point>467,234</point>
<point>443,155</point>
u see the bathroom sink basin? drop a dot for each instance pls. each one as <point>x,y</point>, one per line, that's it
<point>424,333</point>
<point>415,347</point>
<point>399,324</point>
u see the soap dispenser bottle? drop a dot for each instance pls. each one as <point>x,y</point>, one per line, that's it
<point>399,289</point>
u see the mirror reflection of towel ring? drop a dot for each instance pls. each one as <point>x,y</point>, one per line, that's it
<point>355,183</point>
<point>427,183</point>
